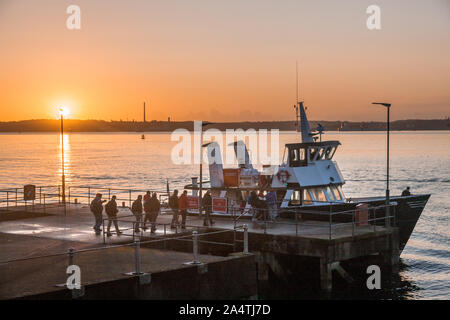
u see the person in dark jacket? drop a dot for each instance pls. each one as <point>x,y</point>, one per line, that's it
<point>111,212</point>
<point>253,201</point>
<point>182,206</point>
<point>406,192</point>
<point>97,209</point>
<point>207,206</point>
<point>173,204</point>
<point>152,208</point>
<point>136,208</point>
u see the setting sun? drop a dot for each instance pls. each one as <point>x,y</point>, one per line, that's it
<point>64,111</point>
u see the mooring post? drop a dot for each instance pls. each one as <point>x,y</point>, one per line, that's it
<point>137,243</point>
<point>245,239</point>
<point>7,200</point>
<point>89,195</point>
<point>195,246</point>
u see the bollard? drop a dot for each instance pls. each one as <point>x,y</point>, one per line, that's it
<point>123,204</point>
<point>76,200</point>
<point>245,239</point>
<point>137,255</point>
<point>195,246</point>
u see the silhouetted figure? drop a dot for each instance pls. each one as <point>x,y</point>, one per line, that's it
<point>207,206</point>
<point>136,208</point>
<point>147,197</point>
<point>406,192</point>
<point>253,201</point>
<point>111,212</point>
<point>271,199</point>
<point>152,208</point>
<point>182,206</point>
<point>97,209</point>
<point>173,204</point>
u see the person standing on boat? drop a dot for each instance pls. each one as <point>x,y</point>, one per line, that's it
<point>97,209</point>
<point>111,212</point>
<point>173,204</point>
<point>207,206</point>
<point>271,199</point>
<point>152,208</point>
<point>406,192</point>
<point>253,201</point>
<point>136,208</point>
<point>183,205</point>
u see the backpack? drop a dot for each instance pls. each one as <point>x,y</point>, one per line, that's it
<point>109,208</point>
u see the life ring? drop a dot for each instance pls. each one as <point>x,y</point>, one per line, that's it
<point>283,176</point>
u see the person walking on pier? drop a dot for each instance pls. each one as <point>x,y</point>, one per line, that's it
<point>207,206</point>
<point>406,192</point>
<point>173,204</point>
<point>136,208</point>
<point>111,212</point>
<point>183,205</point>
<point>152,208</point>
<point>97,209</point>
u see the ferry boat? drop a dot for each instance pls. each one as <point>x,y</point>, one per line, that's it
<point>307,183</point>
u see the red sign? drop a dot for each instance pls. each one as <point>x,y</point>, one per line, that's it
<point>29,192</point>
<point>192,202</point>
<point>219,205</point>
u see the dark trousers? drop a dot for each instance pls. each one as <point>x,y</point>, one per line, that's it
<point>207,217</point>
<point>183,218</point>
<point>113,219</point>
<point>151,216</point>
<point>174,217</point>
<point>98,222</point>
<point>138,220</point>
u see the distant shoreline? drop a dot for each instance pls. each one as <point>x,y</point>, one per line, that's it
<point>87,126</point>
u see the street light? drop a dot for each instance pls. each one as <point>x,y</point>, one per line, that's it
<point>388,108</point>
<point>63,111</point>
<point>201,168</point>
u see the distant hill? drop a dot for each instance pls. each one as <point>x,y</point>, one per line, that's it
<point>154,126</point>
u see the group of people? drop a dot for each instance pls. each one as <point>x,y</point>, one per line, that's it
<point>179,206</point>
<point>264,206</point>
<point>151,206</point>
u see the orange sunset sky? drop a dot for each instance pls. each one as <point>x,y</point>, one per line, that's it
<point>224,60</point>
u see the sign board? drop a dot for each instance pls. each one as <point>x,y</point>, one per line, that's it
<point>192,202</point>
<point>219,205</point>
<point>29,192</point>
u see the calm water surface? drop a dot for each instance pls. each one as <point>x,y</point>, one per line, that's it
<point>420,160</point>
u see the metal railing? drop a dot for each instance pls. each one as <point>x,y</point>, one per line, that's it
<point>376,218</point>
<point>77,194</point>
<point>13,199</point>
<point>194,237</point>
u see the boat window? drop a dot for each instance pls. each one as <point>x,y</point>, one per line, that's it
<point>330,194</point>
<point>329,152</point>
<point>319,195</point>
<point>336,193</point>
<point>297,157</point>
<point>295,198</point>
<point>306,197</point>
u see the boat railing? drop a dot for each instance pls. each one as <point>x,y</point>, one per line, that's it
<point>336,223</point>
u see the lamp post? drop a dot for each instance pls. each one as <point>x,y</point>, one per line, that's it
<point>63,177</point>
<point>388,109</point>
<point>201,168</point>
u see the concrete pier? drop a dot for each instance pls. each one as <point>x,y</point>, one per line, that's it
<point>220,252</point>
